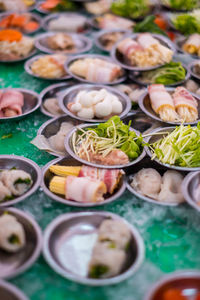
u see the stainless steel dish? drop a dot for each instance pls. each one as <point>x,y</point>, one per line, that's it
<point>83,56</point>
<point>13,264</point>
<point>191,69</point>
<point>52,126</point>
<point>136,77</point>
<point>53,91</point>
<point>27,165</point>
<point>118,58</point>
<point>190,183</point>
<point>145,105</point>
<point>31,103</point>
<point>158,136</point>
<point>27,67</point>
<point>100,34</point>
<point>68,147</point>
<point>69,95</point>
<point>49,18</point>
<point>82,43</point>
<point>69,161</point>
<point>57,238</point>
<point>187,280</point>
<point>34,17</point>
<point>10,292</point>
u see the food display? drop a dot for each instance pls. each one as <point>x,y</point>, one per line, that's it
<point>96,70</point>
<point>68,23</point>
<point>166,188</point>
<point>178,106</point>
<point>192,44</point>
<point>61,42</point>
<point>110,143</point>
<point>131,9</point>
<point>179,148</point>
<point>107,40</point>
<point>144,51</point>
<point>57,5</point>
<point>16,5</point>
<point>188,22</point>
<point>49,66</point>
<point>95,104</point>
<point>24,22</point>
<point>14,45</point>
<point>98,7</point>
<point>109,21</point>
<point>11,103</point>
<point>13,183</point>
<point>94,184</point>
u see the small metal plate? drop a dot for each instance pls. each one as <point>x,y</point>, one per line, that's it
<point>118,57</point>
<point>69,161</point>
<point>82,43</point>
<point>13,264</point>
<point>25,164</point>
<point>145,105</point>
<point>68,147</point>
<point>33,52</point>
<point>10,292</point>
<point>31,103</point>
<point>70,94</point>
<point>27,67</point>
<point>189,184</point>
<point>70,259</point>
<point>83,56</point>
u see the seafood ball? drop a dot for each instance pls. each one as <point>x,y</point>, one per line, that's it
<point>86,100</point>
<point>87,113</point>
<point>117,107</point>
<point>76,107</point>
<point>103,109</point>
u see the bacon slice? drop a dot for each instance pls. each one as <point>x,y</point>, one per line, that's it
<point>11,103</point>
<point>84,189</point>
<point>111,178</point>
<point>146,40</point>
<point>185,104</point>
<point>162,102</point>
<point>109,21</point>
<point>128,47</point>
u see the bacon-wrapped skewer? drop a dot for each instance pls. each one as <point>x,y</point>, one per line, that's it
<point>130,49</point>
<point>192,45</point>
<point>11,103</point>
<point>162,103</point>
<point>185,105</point>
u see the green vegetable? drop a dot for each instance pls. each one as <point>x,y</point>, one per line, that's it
<point>170,73</point>
<point>65,5</point>
<point>181,4</point>
<point>20,180</point>
<point>13,239</point>
<point>181,147</point>
<point>113,134</point>
<point>130,8</point>
<point>8,198</point>
<point>97,271</point>
<point>187,23</point>
<point>148,25</point>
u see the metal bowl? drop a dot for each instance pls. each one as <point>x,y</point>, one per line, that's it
<point>180,41</point>
<point>146,163</point>
<point>118,58</point>
<point>85,225</point>
<point>53,91</point>
<point>136,77</point>
<point>25,164</point>
<point>69,161</point>
<point>13,264</point>
<point>27,67</point>
<point>186,279</point>
<point>68,147</point>
<point>83,56</point>
<point>100,34</point>
<point>34,17</point>
<point>31,103</point>
<point>52,126</point>
<point>10,292</point>
<point>145,105</point>
<point>49,18</point>
<point>191,69</point>
<point>158,136</point>
<point>189,184</point>
<point>69,95</point>
<point>82,43</point>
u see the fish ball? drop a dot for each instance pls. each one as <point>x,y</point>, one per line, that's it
<point>87,113</point>
<point>117,107</point>
<point>76,107</point>
<point>103,109</point>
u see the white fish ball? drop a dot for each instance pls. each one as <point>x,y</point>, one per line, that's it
<point>100,96</point>
<point>117,107</point>
<point>103,109</point>
<point>86,101</point>
<point>87,113</point>
<point>76,107</point>
<point>80,95</point>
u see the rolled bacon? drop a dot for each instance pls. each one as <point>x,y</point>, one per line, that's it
<point>11,103</point>
<point>128,47</point>
<point>146,40</point>
<point>192,45</point>
<point>159,97</point>
<point>84,189</point>
<point>182,97</point>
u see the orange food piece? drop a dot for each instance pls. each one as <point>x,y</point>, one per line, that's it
<point>10,35</point>
<point>50,4</point>
<point>31,26</point>
<point>160,22</point>
<point>5,22</point>
<point>173,294</point>
<point>171,35</point>
<point>18,21</point>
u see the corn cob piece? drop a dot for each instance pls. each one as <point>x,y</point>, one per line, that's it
<point>64,170</point>
<point>57,185</point>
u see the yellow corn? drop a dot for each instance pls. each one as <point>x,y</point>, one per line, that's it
<point>57,185</point>
<point>65,170</point>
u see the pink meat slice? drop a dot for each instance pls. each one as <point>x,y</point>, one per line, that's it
<point>12,100</point>
<point>159,97</point>
<point>128,47</point>
<point>183,98</point>
<point>146,40</point>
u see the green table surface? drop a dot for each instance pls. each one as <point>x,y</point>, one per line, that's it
<point>171,235</point>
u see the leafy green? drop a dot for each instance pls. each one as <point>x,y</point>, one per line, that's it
<point>98,270</point>
<point>148,25</point>
<point>181,4</point>
<point>187,23</point>
<point>170,73</point>
<point>130,8</point>
<point>65,5</point>
<point>181,147</point>
<point>20,180</point>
